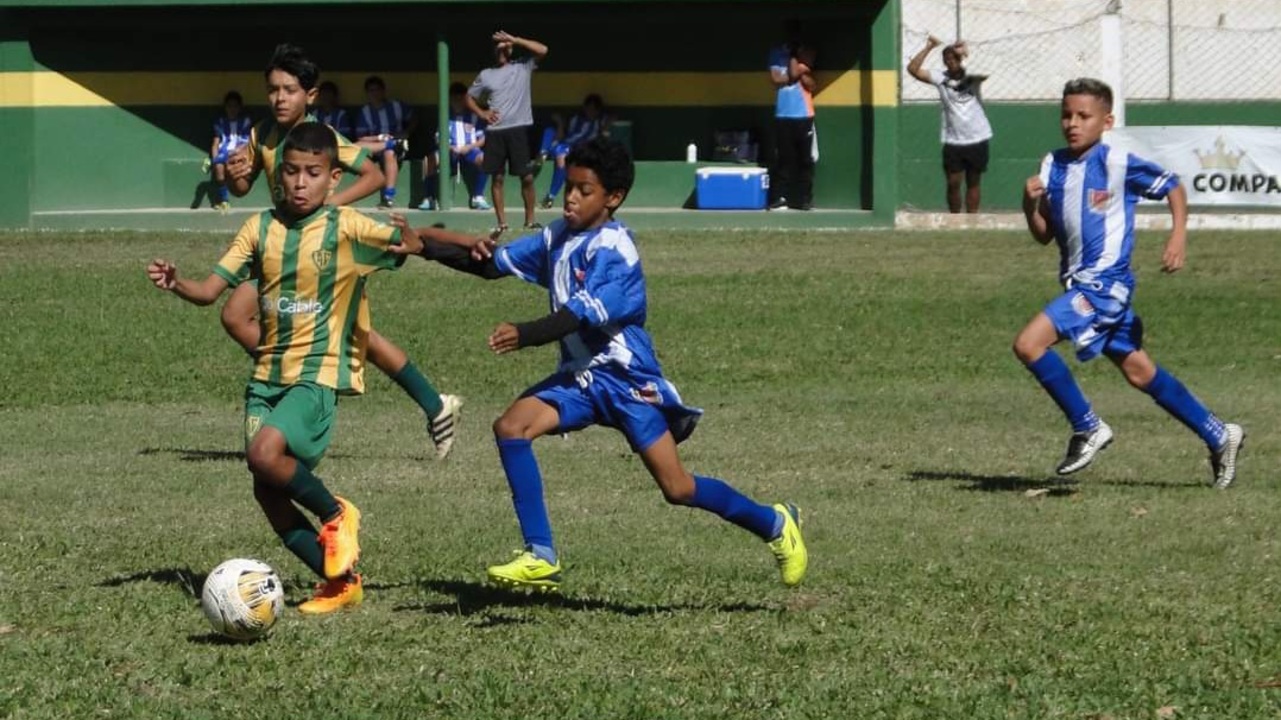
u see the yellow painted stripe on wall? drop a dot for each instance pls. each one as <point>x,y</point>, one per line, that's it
<point>624,89</point>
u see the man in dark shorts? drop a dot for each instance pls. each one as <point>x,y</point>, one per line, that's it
<point>966,131</point>
<point>504,89</point>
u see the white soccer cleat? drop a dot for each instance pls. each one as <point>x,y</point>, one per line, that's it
<point>1224,460</point>
<point>441,428</point>
<point>1082,448</point>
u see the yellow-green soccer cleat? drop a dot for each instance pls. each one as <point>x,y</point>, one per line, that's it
<point>789,547</point>
<point>526,571</point>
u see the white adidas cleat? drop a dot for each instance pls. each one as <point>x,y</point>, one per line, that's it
<point>1082,448</point>
<point>442,427</point>
<point>1224,460</point>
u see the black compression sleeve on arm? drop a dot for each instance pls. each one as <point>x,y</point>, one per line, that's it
<point>458,258</point>
<point>548,328</point>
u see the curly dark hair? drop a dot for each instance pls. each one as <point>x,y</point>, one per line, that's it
<point>607,158</point>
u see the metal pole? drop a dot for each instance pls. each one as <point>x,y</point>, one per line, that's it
<point>958,22</point>
<point>442,122</point>
<point>1169,47</point>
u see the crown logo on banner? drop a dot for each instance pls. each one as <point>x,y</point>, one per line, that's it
<point>1220,159</point>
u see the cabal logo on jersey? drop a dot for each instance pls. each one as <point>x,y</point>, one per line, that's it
<point>285,305</point>
<point>322,257</point>
<point>1099,200</point>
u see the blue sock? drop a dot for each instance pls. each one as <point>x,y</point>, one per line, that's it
<point>558,182</point>
<point>223,194</point>
<point>1174,398</point>
<point>389,193</point>
<point>717,496</point>
<point>526,483</point>
<point>549,137</point>
<point>1054,376</point>
<point>431,186</point>
<point>481,180</point>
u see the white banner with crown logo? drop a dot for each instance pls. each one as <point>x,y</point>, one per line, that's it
<point>1219,165</point>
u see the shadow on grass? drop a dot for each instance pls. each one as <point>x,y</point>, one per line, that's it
<point>199,455</point>
<point>472,598</point>
<point>212,638</point>
<point>186,579</point>
<point>997,483</point>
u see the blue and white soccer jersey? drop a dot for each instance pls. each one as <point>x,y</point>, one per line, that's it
<point>1091,201</point>
<point>386,120</point>
<point>608,374</point>
<point>232,135</point>
<point>466,129</point>
<point>580,130</point>
<point>336,119</point>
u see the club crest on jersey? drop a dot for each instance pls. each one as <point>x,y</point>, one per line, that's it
<point>252,424</point>
<point>1082,305</point>
<point>1099,200</point>
<point>649,393</point>
<point>322,257</point>
<point>579,274</point>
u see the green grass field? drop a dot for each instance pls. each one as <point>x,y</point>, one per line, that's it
<point>865,376</point>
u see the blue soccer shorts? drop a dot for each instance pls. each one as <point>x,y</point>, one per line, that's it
<point>1098,320</point>
<point>639,413</point>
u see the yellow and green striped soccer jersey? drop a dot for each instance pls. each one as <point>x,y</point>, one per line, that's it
<point>266,139</point>
<point>311,279</point>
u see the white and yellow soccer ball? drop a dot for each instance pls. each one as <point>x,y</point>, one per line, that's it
<point>242,599</point>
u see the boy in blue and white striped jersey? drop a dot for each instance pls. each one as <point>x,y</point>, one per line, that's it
<point>1084,199</point>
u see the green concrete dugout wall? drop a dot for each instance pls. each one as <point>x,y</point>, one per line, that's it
<point>1023,133</point>
<point>111,107</point>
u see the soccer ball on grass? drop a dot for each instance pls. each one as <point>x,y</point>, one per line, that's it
<point>242,599</point>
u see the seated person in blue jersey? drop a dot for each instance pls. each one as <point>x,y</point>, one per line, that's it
<point>1083,199</point>
<point>329,109</point>
<point>230,133</point>
<point>589,122</point>
<point>466,145</point>
<point>383,127</point>
<point>609,373</point>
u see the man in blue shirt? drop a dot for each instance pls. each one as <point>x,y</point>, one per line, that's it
<point>791,70</point>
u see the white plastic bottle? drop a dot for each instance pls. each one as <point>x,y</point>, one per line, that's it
<point>691,153</point>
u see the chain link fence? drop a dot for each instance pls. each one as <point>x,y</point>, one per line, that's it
<point>1172,49</point>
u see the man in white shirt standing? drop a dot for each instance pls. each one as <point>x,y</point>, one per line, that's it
<point>965,131</point>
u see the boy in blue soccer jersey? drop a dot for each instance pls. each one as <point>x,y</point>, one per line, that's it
<point>1083,199</point>
<point>466,145</point>
<point>230,133</point>
<point>609,374</point>
<point>329,109</point>
<point>589,122</point>
<point>383,127</point>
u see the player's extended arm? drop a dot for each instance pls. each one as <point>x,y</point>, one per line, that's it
<point>1034,209</point>
<point>369,182</point>
<point>462,252</point>
<point>164,275</point>
<point>546,329</point>
<point>914,65</point>
<point>1176,247</point>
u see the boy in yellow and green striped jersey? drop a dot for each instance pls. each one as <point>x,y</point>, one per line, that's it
<point>291,85</point>
<point>311,261</point>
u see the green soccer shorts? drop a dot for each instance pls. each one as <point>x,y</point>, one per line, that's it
<point>303,413</point>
